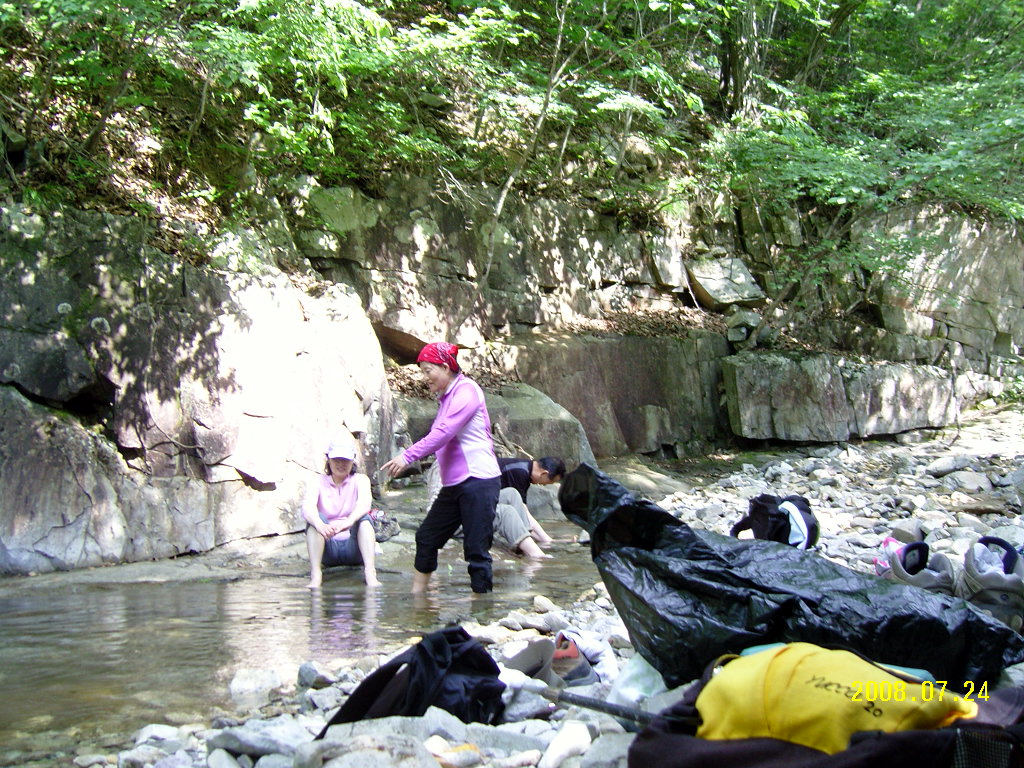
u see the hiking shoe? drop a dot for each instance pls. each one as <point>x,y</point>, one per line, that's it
<point>993,580</point>
<point>912,564</point>
<point>890,550</point>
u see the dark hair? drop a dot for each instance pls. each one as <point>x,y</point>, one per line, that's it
<point>554,466</point>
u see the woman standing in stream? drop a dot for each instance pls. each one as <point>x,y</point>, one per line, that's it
<point>470,479</point>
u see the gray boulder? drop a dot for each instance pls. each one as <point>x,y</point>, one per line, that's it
<point>886,399</point>
<point>717,283</point>
<point>774,396</point>
<point>800,397</point>
<point>280,735</point>
<point>630,393</point>
<point>365,751</point>
<point>542,426</point>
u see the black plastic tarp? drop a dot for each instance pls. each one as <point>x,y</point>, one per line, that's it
<point>688,596</point>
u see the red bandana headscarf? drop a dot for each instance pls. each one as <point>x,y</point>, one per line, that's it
<point>440,353</point>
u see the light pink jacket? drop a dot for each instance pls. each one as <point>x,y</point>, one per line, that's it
<point>460,435</point>
<point>332,502</point>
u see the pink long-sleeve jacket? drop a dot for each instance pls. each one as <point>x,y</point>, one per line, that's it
<point>460,435</point>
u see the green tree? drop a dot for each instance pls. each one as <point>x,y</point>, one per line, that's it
<point>867,107</point>
<point>837,109</point>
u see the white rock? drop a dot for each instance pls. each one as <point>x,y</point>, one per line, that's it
<point>437,745</point>
<point>220,758</point>
<point>943,465</point>
<point>543,604</point>
<point>462,756</point>
<point>140,757</point>
<point>572,739</point>
<point>158,733</point>
<point>251,688</point>
<point>526,759</point>
<point>262,737</point>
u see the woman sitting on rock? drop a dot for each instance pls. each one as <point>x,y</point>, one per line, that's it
<point>337,506</point>
<point>470,480</point>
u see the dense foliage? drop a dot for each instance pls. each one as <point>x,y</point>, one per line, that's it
<point>840,107</point>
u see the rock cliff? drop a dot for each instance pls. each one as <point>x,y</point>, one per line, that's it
<point>151,407</point>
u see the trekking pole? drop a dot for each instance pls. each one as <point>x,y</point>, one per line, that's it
<point>588,702</point>
<point>559,696</point>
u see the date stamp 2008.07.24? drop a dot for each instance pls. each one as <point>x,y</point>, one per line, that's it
<point>898,690</point>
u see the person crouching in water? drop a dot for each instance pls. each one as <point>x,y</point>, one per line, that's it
<point>337,506</point>
<point>514,525</point>
<point>470,479</point>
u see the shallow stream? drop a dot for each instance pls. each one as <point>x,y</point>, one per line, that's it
<point>89,664</point>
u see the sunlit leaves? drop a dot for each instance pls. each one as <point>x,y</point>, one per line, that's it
<point>912,99</point>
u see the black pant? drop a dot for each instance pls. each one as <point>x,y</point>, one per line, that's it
<point>470,504</point>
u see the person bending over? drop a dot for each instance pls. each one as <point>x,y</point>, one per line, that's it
<point>514,524</point>
<point>336,510</point>
<point>461,439</point>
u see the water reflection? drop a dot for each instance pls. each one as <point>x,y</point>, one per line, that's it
<point>344,622</point>
<point>89,663</point>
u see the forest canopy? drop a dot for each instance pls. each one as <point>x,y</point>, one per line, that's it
<point>177,107</point>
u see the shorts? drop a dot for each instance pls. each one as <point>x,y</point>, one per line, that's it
<point>343,551</point>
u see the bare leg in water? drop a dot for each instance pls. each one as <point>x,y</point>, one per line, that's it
<point>367,540</point>
<point>530,548</point>
<point>419,581</point>
<point>315,544</point>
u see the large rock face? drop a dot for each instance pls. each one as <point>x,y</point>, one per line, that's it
<point>958,300</point>
<point>69,500</point>
<point>429,264</point>
<point>631,393</point>
<point>221,390</point>
<point>419,258</point>
<point>773,396</point>
<point>150,407</point>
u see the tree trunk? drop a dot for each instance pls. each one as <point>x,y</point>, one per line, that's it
<point>821,39</point>
<point>738,62</point>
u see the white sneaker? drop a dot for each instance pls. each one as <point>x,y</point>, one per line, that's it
<point>993,580</point>
<point>913,564</point>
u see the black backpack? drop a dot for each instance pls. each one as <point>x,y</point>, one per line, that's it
<point>994,739</point>
<point>787,520</point>
<point>965,745</point>
<point>447,669</point>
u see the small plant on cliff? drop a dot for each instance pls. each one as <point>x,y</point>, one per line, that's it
<point>1014,392</point>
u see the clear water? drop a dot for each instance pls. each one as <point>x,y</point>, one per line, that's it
<point>89,664</point>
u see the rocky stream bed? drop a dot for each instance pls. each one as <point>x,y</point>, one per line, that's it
<point>947,487</point>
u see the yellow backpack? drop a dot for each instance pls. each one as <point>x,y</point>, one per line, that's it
<point>809,695</point>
